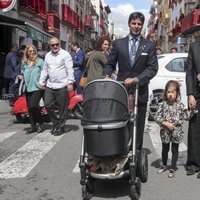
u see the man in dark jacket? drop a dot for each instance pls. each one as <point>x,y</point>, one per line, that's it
<point>137,62</point>
<point>11,69</point>
<point>78,57</point>
<point>193,93</point>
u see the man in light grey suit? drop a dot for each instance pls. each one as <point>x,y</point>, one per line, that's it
<point>137,62</point>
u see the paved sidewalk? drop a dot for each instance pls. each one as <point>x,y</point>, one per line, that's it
<point>4,107</point>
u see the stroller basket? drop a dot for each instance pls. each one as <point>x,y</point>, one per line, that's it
<point>106,118</point>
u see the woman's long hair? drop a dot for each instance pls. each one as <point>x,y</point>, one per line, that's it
<point>26,57</point>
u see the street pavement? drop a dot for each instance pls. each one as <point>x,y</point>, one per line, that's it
<point>45,167</point>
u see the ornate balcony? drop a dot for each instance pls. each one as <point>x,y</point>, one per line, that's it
<point>35,6</point>
<point>70,16</point>
<point>190,21</point>
<point>52,24</point>
<point>89,22</point>
<point>67,13</point>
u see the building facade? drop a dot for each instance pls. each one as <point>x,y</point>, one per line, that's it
<point>174,23</point>
<point>36,21</point>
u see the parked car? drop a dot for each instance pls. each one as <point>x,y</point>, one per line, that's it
<point>172,66</point>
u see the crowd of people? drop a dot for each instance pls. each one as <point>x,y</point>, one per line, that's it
<point>135,59</point>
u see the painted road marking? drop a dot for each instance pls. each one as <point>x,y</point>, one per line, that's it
<point>20,163</point>
<point>76,168</point>
<point>4,136</point>
<point>155,139</point>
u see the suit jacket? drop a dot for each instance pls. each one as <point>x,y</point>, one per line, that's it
<point>11,65</point>
<point>192,69</point>
<point>144,68</point>
<point>79,59</point>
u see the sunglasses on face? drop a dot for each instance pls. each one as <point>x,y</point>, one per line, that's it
<point>31,51</point>
<point>55,45</point>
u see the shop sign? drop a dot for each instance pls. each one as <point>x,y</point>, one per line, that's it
<point>7,5</point>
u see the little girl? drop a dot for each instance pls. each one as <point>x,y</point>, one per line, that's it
<point>170,116</point>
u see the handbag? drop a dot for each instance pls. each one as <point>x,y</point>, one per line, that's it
<point>84,78</point>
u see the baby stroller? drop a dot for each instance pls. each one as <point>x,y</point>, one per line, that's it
<point>109,129</point>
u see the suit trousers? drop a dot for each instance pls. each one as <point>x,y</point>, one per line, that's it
<point>61,98</point>
<point>77,75</point>
<point>193,152</point>
<point>142,108</point>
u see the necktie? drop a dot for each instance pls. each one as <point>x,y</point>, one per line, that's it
<point>133,50</point>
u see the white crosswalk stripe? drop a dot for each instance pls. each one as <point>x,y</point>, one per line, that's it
<point>20,163</point>
<point>76,168</point>
<point>6,135</point>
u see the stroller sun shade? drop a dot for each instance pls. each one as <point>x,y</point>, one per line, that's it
<point>105,101</point>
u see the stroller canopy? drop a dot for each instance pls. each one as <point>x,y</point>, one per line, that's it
<point>105,101</point>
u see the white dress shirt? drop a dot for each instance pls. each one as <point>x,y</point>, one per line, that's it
<point>58,70</point>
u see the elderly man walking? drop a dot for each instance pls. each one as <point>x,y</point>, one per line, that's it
<point>58,77</point>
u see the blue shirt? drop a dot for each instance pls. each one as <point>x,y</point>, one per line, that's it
<point>32,75</point>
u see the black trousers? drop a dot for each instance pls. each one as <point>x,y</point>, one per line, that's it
<point>193,152</point>
<point>8,85</point>
<point>33,99</point>
<point>61,97</point>
<point>165,151</point>
<point>142,108</point>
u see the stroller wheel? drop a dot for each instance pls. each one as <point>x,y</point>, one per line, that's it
<point>86,194</point>
<point>88,190</point>
<point>142,166</point>
<point>136,190</point>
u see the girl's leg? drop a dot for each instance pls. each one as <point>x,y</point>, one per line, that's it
<point>165,150</point>
<point>174,155</point>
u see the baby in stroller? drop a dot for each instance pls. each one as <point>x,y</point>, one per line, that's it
<point>108,147</point>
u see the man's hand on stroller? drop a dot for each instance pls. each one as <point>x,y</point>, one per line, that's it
<point>20,76</point>
<point>131,81</point>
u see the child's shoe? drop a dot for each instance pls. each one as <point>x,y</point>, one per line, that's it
<point>171,173</point>
<point>162,169</point>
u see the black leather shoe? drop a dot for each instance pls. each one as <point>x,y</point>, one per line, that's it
<point>31,130</point>
<point>40,128</point>
<point>54,129</point>
<point>191,171</point>
<point>59,131</point>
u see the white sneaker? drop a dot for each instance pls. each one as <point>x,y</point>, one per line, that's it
<point>171,173</point>
<point>162,169</point>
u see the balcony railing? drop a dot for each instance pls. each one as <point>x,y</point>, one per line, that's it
<point>190,20</point>
<point>89,22</point>
<point>71,17</point>
<point>67,14</point>
<point>52,23</point>
<point>35,6</point>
